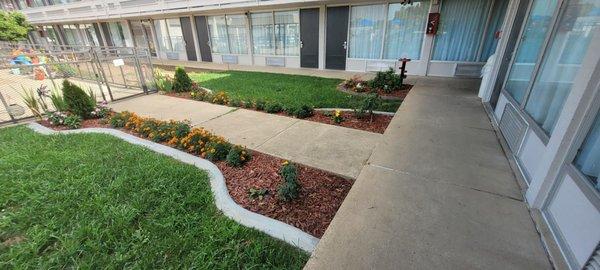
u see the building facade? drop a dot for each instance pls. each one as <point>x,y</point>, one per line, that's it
<point>541,86</point>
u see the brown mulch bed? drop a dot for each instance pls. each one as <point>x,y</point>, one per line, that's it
<point>378,125</point>
<point>321,192</point>
<point>394,95</point>
<point>88,123</point>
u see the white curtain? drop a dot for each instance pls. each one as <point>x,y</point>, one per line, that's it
<point>116,34</point>
<point>537,27</point>
<point>218,34</point>
<point>237,34</point>
<point>588,159</point>
<point>175,34</point>
<point>561,63</point>
<point>460,31</point>
<point>366,31</point>
<point>287,33</point>
<point>262,33</point>
<point>162,35</point>
<point>405,30</point>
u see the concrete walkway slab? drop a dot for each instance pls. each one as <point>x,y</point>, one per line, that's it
<point>437,193</point>
<point>332,148</point>
<point>336,149</point>
<point>249,128</point>
<point>399,221</point>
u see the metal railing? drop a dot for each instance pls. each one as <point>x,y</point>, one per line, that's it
<point>111,73</point>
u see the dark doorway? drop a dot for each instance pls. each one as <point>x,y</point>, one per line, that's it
<point>508,53</point>
<point>98,35</point>
<point>309,38</point>
<point>337,32</point>
<point>188,38</point>
<point>202,31</point>
<point>106,33</point>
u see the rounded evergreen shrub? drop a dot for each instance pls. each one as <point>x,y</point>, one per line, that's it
<point>304,111</point>
<point>77,101</point>
<point>182,81</point>
<point>273,108</point>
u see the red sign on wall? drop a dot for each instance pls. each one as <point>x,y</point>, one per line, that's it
<point>432,23</point>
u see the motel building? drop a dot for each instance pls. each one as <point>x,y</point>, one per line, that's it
<point>540,60</point>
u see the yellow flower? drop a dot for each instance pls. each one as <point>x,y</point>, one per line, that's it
<point>285,162</point>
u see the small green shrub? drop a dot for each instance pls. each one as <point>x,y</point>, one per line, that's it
<point>234,102</point>
<point>118,120</point>
<point>370,103</point>
<point>163,82</point>
<point>273,107</point>
<point>290,110</point>
<point>248,104</point>
<point>304,111</point>
<point>290,188</point>
<point>259,193</point>
<point>337,117</point>
<point>217,150</point>
<point>237,156</point>
<point>56,118</point>
<point>73,121</point>
<point>181,82</point>
<point>260,105</point>
<point>101,110</point>
<point>387,81</point>
<point>58,101</point>
<point>78,102</point>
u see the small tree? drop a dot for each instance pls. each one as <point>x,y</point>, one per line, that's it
<point>78,102</point>
<point>182,81</point>
<point>370,103</point>
<point>13,26</point>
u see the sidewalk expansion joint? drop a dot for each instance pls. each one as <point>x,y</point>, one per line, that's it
<point>440,181</point>
<point>277,134</point>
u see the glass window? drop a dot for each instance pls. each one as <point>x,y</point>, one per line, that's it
<point>116,34</point>
<point>162,35</point>
<point>536,29</point>
<point>560,65</point>
<point>405,30</point>
<point>90,34</point>
<point>262,33</point>
<point>366,31</point>
<point>460,30</point>
<point>138,33</point>
<point>175,34</point>
<point>588,156</point>
<point>71,36</point>
<point>237,34</point>
<point>494,25</point>
<point>218,34</point>
<point>51,35</point>
<point>287,33</point>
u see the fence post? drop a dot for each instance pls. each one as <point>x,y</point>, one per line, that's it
<point>96,58</point>
<point>139,71</point>
<point>12,118</point>
<point>97,76</point>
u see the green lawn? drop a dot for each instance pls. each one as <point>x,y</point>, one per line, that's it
<point>93,201</point>
<point>289,90</point>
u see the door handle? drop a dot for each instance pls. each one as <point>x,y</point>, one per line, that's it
<point>301,44</point>
<point>345,45</point>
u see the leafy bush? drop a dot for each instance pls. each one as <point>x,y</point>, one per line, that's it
<point>101,110</point>
<point>290,188</point>
<point>290,110</point>
<point>370,103</point>
<point>56,118</point>
<point>217,149</point>
<point>118,120</point>
<point>73,121</point>
<point>220,98</point>
<point>182,81</point>
<point>78,102</point>
<point>337,117</point>
<point>259,193</point>
<point>387,81</point>
<point>198,93</point>
<point>237,156</point>
<point>58,101</point>
<point>164,82</point>
<point>273,107</point>
<point>234,102</point>
<point>304,111</point>
<point>260,105</point>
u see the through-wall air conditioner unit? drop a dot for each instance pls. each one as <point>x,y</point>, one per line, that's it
<point>468,70</point>
<point>513,127</point>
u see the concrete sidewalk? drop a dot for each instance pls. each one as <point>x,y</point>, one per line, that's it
<point>310,143</point>
<point>437,193</point>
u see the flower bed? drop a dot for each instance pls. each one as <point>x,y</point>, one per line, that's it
<point>246,172</point>
<point>386,84</point>
<point>378,125</point>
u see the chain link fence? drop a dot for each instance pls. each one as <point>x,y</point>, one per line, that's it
<point>110,73</point>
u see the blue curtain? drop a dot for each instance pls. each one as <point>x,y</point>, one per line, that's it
<point>588,158</point>
<point>495,24</point>
<point>561,63</point>
<point>262,33</point>
<point>366,31</point>
<point>460,31</point>
<point>537,27</point>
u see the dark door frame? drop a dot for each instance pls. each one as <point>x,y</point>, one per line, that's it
<point>336,37</point>
<point>309,37</point>
<point>203,40</point>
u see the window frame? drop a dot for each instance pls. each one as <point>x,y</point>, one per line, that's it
<point>273,37</point>
<point>247,28</point>
<point>384,33</point>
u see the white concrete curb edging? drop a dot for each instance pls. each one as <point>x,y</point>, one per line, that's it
<point>223,201</point>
